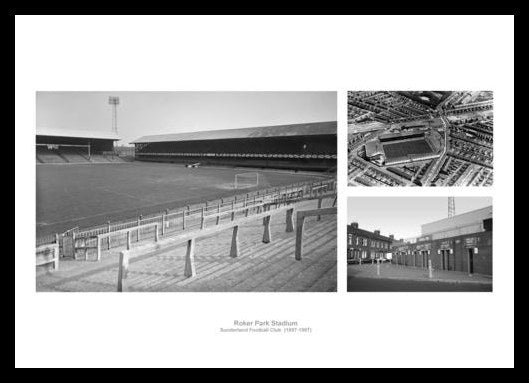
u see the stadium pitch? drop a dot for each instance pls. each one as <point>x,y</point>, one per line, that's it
<point>405,148</point>
<point>87,195</point>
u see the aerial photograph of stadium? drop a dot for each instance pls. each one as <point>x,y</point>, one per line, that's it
<point>420,138</point>
<point>186,191</point>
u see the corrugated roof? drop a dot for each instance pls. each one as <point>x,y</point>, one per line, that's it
<point>95,134</point>
<point>309,129</point>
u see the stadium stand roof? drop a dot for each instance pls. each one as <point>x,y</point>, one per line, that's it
<point>95,134</point>
<point>456,221</point>
<point>373,148</point>
<point>401,135</point>
<point>310,129</point>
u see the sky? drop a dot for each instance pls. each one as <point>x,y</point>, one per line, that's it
<point>403,216</point>
<point>144,113</point>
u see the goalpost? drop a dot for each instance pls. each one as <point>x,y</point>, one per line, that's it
<point>246,180</point>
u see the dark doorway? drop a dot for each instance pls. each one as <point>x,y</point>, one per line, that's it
<point>445,259</point>
<point>471,261</point>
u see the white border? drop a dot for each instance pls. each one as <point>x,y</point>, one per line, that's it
<point>267,53</point>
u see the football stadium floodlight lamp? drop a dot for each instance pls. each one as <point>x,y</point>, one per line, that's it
<point>113,100</point>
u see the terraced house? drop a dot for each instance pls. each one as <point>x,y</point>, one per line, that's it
<point>366,246</point>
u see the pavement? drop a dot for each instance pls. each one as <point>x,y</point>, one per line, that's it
<point>405,278</point>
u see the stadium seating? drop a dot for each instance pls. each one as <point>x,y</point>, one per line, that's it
<point>50,156</point>
<point>267,146</point>
<point>72,155</point>
<point>311,153</point>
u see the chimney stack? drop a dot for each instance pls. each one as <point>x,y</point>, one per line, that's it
<point>354,225</point>
<point>377,232</point>
<point>392,237</point>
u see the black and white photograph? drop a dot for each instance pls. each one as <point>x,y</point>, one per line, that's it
<point>420,138</point>
<point>419,244</point>
<point>186,191</point>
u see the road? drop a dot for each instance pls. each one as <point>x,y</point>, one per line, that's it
<point>370,165</point>
<point>439,161</point>
<point>355,284</point>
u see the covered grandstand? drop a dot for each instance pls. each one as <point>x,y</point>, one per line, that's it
<point>403,147</point>
<point>72,146</point>
<point>310,146</point>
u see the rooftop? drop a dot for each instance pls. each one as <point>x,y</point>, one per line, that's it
<point>369,234</point>
<point>402,134</point>
<point>373,148</point>
<point>458,221</point>
<point>309,129</point>
<point>95,134</point>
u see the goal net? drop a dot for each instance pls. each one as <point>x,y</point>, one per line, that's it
<point>246,180</point>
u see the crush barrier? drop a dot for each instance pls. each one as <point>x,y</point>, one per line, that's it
<point>84,241</point>
<point>155,230</point>
<point>191,237</point>
<point>300,222</point>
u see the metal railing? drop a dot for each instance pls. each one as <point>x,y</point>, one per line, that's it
<point>204,216</point>
<point>188,220</point>
<point>47,239</point>
<point>48,254</point>
<point>185,218</point>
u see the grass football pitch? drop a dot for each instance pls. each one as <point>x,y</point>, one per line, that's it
<point>405,148</point>
<point>71,196</point>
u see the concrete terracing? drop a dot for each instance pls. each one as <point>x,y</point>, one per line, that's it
<point>259,267</point>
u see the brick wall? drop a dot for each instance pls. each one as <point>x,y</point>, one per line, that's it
<point>451,253</point>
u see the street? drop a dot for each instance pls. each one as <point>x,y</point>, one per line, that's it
<point>355,284</point>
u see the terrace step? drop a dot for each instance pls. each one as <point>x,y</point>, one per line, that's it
<point>164,272</point>
<point>259,267</point>
<point>256,263</point>
<point>327,282</point>
<point>318,265</point>
<point>261,262</point>
<point>315,238</point>
<point>51,158</point>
